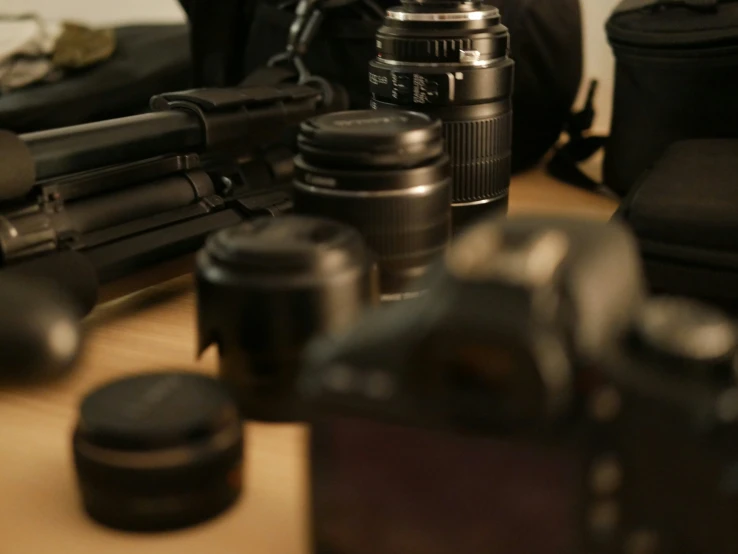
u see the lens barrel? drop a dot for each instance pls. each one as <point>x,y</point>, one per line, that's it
<point>450,60</point>
<point>267,287</point>
<point>386,174</point>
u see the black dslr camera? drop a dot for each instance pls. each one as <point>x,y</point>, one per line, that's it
<point>534,401</point>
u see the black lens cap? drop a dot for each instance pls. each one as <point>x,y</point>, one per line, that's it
<point>371,138</point>
<point>158,451</point>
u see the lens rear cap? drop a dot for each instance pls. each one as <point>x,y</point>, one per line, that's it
<point>371,138</point>
<point>158,451</point>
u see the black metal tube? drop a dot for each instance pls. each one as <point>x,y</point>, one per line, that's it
<point>92,145</point>
<point>130,204</point>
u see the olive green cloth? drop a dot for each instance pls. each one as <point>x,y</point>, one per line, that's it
<point>80,46</point>
<point>35,51</point>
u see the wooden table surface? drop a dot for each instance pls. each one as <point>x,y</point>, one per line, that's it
<point>40,512</point>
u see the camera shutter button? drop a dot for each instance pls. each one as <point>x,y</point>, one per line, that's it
<point>687,331</point>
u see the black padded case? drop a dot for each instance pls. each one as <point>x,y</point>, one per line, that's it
<point>148,60</point>
<point>684,212</point>
<point>676,78</point>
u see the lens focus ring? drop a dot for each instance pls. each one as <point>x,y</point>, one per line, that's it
<point>424,50</point>
<point>480,153</point>
<point>391,227</point>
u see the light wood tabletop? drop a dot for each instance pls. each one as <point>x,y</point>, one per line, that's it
<point>154,329</point>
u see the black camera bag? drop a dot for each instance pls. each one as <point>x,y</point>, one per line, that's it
<point>684,212</point>
<point>676,79</point>
<point>546,45</point>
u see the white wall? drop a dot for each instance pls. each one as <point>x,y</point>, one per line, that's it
<point>598,57</point>
<point>598,60</point>
<point>100,12</point>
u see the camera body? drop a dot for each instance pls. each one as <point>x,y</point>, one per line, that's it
<point>535,400</point>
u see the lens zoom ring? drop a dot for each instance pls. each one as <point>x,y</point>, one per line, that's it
<point>480,157</point>
<point>467,141</point>
<point>483,180</point>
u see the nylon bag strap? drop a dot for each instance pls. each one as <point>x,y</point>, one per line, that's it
<point>628,6</point>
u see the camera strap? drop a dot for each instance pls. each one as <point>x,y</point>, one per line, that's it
<point>697,5</point>
<point>309,16</point>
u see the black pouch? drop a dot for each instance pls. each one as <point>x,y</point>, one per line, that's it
<point>149,59</point>
<point>675,80</point>
<point>685,214</point>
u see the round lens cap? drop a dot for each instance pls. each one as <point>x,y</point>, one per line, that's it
<point>372,137</point>
<point>158,451</point>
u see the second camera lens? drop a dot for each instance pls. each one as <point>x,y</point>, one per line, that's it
<point>385,173</point>
<point>451,61</point>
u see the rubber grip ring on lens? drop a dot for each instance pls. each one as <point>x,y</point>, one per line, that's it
<point>480,152</point>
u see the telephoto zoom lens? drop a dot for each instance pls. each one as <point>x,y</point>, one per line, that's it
<point>268,286</point>
<point>451,60</point>
<point>386,174</point>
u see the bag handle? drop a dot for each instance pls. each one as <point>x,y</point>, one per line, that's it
<point>627,6</point>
